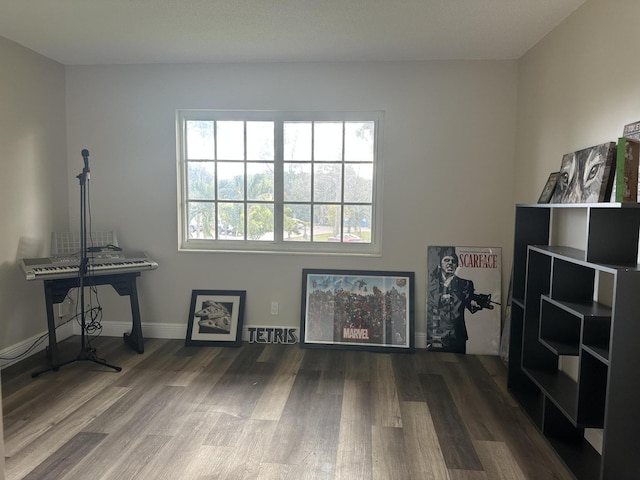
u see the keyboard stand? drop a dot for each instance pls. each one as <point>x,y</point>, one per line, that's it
<point>55,291</point>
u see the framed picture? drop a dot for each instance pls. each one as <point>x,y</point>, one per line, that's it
<point>549,188</point>
<point>215,318</point>
<point>357,310</point>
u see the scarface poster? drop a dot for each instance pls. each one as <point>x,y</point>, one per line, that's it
<point>463,299</point>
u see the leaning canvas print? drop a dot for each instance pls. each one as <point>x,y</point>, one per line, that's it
<point>586,176</point>
<point>464,299</point>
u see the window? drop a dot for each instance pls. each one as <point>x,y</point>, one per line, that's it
<point>279,181</point>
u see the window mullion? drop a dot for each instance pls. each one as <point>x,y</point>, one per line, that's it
<point>278,181</point>
<point>245,185</point>
<point>216,209</point>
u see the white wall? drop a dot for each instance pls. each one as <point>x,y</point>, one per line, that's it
<point>577,88</point>
<point>32,185</point>
<point>33,189</point>
<point>448,167</point>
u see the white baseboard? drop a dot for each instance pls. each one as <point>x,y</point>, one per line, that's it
<point>179,331</point>
<point>149,330</point>
<point>14,353</point>
<point>35,344</point>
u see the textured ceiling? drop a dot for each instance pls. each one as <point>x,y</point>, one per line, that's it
<point>80,32</point>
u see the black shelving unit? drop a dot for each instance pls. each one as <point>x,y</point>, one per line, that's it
<point>581,307</point>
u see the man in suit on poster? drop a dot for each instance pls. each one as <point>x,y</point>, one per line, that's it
<point>448,296</point>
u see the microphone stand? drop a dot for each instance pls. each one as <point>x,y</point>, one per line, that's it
<point>86,352</point>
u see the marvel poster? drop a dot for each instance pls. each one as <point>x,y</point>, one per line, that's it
<point>463,299</point>
<point>357,309</point>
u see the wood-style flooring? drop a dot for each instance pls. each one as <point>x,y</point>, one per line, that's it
<point>268,412</point>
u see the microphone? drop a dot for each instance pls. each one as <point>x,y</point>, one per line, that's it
<point>85,156</point>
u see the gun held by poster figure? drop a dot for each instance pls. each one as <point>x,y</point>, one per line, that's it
<point>483,300</point>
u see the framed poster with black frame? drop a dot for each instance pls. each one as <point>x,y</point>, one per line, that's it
<point>549,188</point>
<point>215,318</point>
<point>357,310</point>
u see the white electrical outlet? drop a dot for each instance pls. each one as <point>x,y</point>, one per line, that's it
<point>64,308</point>
<point>274,308</point>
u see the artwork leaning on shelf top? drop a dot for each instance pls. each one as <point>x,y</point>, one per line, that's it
<point>586,176</point>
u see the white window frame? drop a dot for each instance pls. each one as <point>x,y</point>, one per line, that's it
<point>278,245</point>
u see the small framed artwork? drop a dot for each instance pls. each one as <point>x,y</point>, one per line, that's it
<point>549,188</point>
<point>357,310</point>
<point>215,318</point>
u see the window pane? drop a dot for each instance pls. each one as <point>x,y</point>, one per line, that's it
<point>230,140</point>
<point>327,141</point>
<point>327,182</point>
<point>230,181</point>
<point>297,140</point>
<point>326,222</point>
<point>201,180</point>
<point>231,221</point>
<point>357,224</point>
<point>202,219</point>
<point>200,140</point>
<point>358,183</point>
<point>358,141</point>
<point>260,221</point>
<point>297,223</point>
<point>260,141</point>
<point>297,182</point>
<point>260,181</point>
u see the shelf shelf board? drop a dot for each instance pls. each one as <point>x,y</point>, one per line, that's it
<point>560,348</point>
<point>579,256</point>
<point>581,458</point>
<point>600,353</point>
<point>518,301</point>
<point>590,309</point>
<point>581,205</point>
<point>561,251</point>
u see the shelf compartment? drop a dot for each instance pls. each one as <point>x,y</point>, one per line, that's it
<point>592,391</point>
<point>530,400</point>
<point>597,335</point>
<point>560,389</point>
<point>565,325</point>
<point>568,441</point>
<point>532,226</point>
<point>619,248</point>
<point>534,354</point>
<point>560,329</point>
<point>572,282</point>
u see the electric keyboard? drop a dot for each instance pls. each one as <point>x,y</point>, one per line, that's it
<point>102,263</point>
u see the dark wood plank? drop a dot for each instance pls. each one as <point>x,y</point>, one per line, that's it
<point>64,459</point>
<point>389,457</point>
<point>354,453</point>
<point>457,447</point>
<point>405,374</point>
<point>308,432</point>
<point>385,406</point>
<point>424,456</point>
